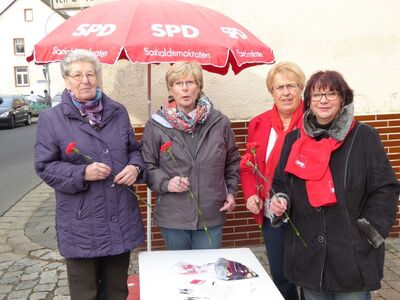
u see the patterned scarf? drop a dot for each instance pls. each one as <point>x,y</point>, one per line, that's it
<point>186,123</point>
<point>91,109</point>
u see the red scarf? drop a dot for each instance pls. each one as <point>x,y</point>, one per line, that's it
<point>309,160</point>
<point>277,125</point>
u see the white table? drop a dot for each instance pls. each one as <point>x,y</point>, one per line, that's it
<point>161,276</point>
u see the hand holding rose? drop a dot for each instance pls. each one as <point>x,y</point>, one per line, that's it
<point>178,184</point>
<point>254,204</point>
<point>278,205</point>
<point>96,171</point>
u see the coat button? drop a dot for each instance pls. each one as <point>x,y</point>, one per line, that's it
<point>105,151</point>
<point>318,209</point>
<point>112,185</point>
<point>321,239</point>
<point>114,219</point>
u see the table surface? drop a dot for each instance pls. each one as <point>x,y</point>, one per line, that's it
<point>165,275</point>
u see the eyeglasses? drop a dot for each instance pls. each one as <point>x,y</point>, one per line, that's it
<point>79,77</point>
<point>188,83</point>
<point>330,96</point>
<point>281,87</point>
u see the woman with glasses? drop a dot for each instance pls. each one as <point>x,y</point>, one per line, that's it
<point>196,178</point>
<point>98,221</point>
<point>285,82</point>
<point>340,192</point>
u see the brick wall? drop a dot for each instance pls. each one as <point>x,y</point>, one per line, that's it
<point>240,229</point>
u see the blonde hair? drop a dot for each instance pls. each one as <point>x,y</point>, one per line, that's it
<point>182,69</point>
<point>286,67</point>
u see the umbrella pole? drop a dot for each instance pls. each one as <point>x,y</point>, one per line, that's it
<point>148,190</point>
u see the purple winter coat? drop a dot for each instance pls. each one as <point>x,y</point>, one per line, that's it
<point>97,218</point>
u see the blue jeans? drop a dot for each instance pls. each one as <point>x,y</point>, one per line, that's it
<point>178,239</point>
<point>274,238</point>
<point>311,295</point>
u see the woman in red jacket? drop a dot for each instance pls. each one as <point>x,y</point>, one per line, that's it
<point>285,82</point>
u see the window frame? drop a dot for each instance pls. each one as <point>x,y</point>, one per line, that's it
<point>17,74</point>
<point>15,46</point>
<point>28,14</point>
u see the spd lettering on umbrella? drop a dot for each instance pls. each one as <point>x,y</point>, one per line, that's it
<point>98,29</point>
<point>187,31</point>
<point>234,33</point>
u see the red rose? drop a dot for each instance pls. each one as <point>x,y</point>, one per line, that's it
<point>166,147</point>
<point>251,147</point>
<point>70,148</point>
<point>246,161</point>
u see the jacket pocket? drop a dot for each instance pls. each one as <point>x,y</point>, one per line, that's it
<point>80,207</point>
<point>373,236</point>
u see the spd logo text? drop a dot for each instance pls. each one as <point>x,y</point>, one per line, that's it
<point>97,29</point>
<point>170,30</point>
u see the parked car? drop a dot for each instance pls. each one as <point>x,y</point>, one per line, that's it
<point>56,100</point>
<point>14,109</point>
<point>37,106</point>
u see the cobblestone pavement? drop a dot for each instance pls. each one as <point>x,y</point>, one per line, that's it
<point>31,267</point>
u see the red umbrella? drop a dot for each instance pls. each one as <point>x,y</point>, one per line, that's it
<point>156,31</point>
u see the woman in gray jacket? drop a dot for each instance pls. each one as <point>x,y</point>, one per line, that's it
<point>196,178</point>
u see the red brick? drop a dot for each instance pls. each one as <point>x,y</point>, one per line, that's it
<point>241,131</point>
<point>393,156</point>
<point>383,137</point>
<point>236,125</point>
<point>248,242</point>
<point>388,117</point>
<point>391,143</point>
<point>394,149</point>
<point>236,222</point>
<point>394,123</point>
<point>228,229</point>
<point>240,139</point>
<point>365,118</point>
<point>236,236</point>
<point>247,228</point>
<point>389,130</point>
<point>377,124</point>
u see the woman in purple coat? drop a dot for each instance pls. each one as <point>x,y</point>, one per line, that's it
<point>98,221</point>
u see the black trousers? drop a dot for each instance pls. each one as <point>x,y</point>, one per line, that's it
<point>99,278</point>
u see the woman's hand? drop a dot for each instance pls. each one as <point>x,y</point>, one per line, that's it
<point>278,206</point>
<point>127,176</point>
<point>230,203</point>
<point>178,184</point>
<point>254,204</point>
<point>97,171</point>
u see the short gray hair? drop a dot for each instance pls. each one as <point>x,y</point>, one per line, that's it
<point>79,55</point>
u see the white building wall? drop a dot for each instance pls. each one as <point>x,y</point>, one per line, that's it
<point>13,25</point>
<point>359,38</point>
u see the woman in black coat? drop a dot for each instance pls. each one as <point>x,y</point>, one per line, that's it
<point>339,191</point>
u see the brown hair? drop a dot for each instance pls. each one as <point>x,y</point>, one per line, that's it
<point>328,80</point>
